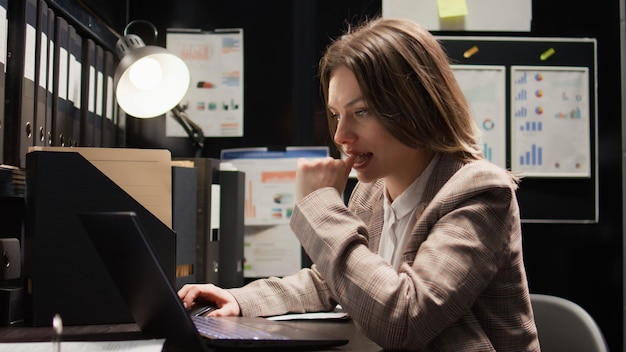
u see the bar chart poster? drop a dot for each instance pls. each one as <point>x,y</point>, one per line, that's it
<point>550,121</point>
<point>484,87</point>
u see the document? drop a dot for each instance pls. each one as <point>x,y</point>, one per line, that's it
<point>215,99</point>
<point>484,87</point>
<point>551,121</point>
<point>336,314</point>
<point>154,345</point>
<point>312,316</point>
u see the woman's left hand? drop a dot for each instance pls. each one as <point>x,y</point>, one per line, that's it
<point>319,173</point>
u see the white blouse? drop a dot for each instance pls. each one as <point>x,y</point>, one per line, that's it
<point>399,217</point>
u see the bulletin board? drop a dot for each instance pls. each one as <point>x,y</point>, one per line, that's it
<point>535,101</point>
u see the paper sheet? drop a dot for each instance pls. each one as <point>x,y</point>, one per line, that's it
<point>336,314</point>
<point>91,346</point>
<point>215,98</point>
<point>312,316</point>
<point>484,87</point>
<point>469,15</point>
<point>550,121</point>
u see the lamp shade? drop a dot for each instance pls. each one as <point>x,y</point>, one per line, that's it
<point>149,80</point>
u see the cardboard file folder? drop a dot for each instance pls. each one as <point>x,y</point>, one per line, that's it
<point>232,185</point>
<point>41,74</point>
<point>184,213</point>
<point>88,93</point>
<point>99,91</point>
<point>207,218</point>
<point>220,223</point>
<point>74,83</point>
<point>108,103</point>
<point>62,124</point>
<point>143,173</point>
<point>3,63</point>
<point>20,71</point>
<point>63,271</point>
<point>50,100</point>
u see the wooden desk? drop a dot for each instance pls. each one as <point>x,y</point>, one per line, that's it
<point>358,341</point>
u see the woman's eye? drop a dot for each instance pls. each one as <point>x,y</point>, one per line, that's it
<point>361,113</point>
<point>335,116</point>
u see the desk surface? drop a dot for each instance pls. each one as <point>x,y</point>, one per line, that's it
<point>358,341</point>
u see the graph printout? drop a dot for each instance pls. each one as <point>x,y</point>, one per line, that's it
<point>484,88</point>
<point>214,100</point>
<point>550,123</point>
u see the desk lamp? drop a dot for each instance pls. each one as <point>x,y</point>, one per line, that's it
<point>150,81</point>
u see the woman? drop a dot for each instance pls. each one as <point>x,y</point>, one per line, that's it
<point>428,253</point>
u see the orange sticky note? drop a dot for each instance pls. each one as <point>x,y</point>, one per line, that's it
<point>451,8</point>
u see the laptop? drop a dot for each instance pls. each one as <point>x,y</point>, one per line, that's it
<point>154,304</point>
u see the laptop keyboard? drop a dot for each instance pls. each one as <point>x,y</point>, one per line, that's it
<point>226,329</point>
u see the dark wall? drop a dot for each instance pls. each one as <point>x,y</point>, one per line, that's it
<point>267,68</point>
<point>584,262</point>
<point>283,41</point>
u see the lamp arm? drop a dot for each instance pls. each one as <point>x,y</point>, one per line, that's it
<point>193,130</point>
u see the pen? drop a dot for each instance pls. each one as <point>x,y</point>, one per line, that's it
<point>204,310</point>
<point>57,325</point>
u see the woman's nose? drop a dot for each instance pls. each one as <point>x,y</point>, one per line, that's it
<point>344,133</point>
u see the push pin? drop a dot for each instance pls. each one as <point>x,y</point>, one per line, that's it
<point>546,54</point>
<point>470,52</point>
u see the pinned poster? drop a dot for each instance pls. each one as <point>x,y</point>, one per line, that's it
<point>550,121</point>
<point>484,87</point>
<point>214,100</point>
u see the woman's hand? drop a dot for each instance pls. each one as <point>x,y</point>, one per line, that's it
<point>226,304</point>
<point>319,173</point>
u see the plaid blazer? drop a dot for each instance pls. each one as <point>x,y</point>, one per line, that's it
<point>462,285</point>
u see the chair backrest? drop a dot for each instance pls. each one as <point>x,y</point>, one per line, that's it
<point>563,325</point>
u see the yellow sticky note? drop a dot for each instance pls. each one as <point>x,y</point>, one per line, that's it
<point>451,8</point>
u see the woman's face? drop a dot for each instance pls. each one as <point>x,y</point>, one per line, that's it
<point>360,133</point>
